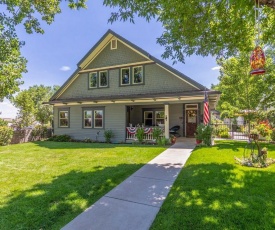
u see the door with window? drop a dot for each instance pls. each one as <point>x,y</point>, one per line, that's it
<point>191,122</point>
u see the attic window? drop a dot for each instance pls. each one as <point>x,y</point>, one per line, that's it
<point>113,44</point>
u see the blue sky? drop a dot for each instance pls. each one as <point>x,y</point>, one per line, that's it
<point>52,57</point>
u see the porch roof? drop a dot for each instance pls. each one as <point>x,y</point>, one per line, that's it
<point>213,97</point>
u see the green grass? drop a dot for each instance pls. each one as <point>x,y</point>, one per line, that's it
<point>44,185</point>
<point>212,192</point>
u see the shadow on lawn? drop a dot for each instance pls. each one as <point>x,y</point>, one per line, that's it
<point>52,205</point>
<point>81,145</point>
<point>220,196</point>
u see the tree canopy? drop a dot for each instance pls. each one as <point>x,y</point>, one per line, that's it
<point>202,27</point>
<point>31,107</point>
<point>29,13</point>
<point>242,93</point>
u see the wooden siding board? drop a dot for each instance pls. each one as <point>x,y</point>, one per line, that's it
<point>121,55</point>
<point>175,112</point>
<point>114,120</point>
<point>157,80</point>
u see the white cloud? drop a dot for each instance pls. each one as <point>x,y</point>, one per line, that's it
<point>216,68</point>
<point>7,110</point>
<point>65,68</point>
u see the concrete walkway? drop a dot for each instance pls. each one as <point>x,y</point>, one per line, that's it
<point>134,204</point>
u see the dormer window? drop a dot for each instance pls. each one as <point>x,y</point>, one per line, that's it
<point>98,79</point>
<point>137,75</point>
<point>93,80</point>
<point>125,76</point>
<point>113,44</point>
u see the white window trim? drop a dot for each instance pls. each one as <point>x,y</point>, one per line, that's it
<point>99,78</point>
<point>87,127</point>
<point>90,75</point>
<point>133,75</point>
<point>121,76</point>
<point>96,127</point>
<point>59,118</point>
<point>195,107</point>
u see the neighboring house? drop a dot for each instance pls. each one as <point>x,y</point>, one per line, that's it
<point>119,86</point>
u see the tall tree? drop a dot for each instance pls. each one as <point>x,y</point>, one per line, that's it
<point>243,93</point>
<point>30,13</point>
<point>31,107</point>
<point>202,27</point>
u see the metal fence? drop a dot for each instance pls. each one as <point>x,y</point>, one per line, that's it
<point>232,131</point>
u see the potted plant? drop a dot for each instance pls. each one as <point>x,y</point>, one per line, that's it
<point>173,139</point>
<point>199,133</point>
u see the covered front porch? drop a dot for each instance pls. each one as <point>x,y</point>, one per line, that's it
<point>183,117</point>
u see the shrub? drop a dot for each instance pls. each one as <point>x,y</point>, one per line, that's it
<point>39,131</point>
<point>6,134</point>
<point>108,134</point>
<point>204,133</point>
<point>163,141</point>
<point>140,134</point>
<point>207,134</point>
<point>199,132</point>
<point>221,131</point>
<point>156,133</point>
<point>60,138</point>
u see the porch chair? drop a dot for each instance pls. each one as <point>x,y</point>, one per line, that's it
<point>174,131</point>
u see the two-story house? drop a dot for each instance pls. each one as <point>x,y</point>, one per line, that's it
<point>119,86</point>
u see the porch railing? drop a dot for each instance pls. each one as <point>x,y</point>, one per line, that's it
<point>148,133</point>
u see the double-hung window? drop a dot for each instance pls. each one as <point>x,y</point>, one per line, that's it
<point>125,76</point>
<point>131,76</point>
<point>137,75</point>
<point>88,114</point>
<point>98,79</point>
<point>93,117</point>
<point>93,80</point>
<point>63,118</point>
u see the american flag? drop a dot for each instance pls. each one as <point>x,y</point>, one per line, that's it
<point>206,116</point>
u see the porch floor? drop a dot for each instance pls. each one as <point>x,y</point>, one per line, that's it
<point>135,202</point>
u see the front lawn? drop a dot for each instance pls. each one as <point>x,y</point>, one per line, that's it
<point>44,185</point>
<point>212,192</point>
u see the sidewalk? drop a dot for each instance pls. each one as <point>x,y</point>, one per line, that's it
<point>134,204</point>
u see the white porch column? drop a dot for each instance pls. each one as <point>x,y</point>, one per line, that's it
<point>166,120</point>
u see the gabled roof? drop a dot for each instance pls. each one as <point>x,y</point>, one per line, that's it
<point>97,48</point>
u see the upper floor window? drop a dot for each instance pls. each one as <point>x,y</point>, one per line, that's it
<point>103,79</point>
<point>125,76</point>
<point>137,75</point>
<point>93,80</point>
<point>63,118</point>
<point>98,79</point>
<point>131,76</point>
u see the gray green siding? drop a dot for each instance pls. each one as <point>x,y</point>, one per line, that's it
<point>121,55</point>
<point>157,80</point>
<point>175,115</point>
<point>114,120</point>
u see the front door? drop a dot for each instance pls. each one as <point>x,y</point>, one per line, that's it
<point>191,122</point>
